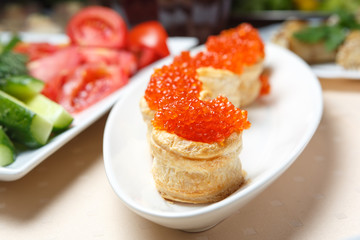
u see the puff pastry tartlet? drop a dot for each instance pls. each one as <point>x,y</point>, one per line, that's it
<point>194,124</point>
<point>348,54</point>
<point>196,146</point>
<point>231,66</point>
<point>311,53</point>
<point>195,172</point>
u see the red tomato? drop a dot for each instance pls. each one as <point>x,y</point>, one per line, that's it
<point>36,50</point>
<point>97,27</point>
<point>54,68</point>
<point>89,84</point>
<point>123,59</point>
<point>148,41</point>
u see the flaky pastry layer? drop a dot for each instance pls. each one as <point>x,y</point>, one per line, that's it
<point>195,172</point>
<point>240,89</point>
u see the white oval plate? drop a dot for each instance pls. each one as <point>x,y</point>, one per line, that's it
<point>27,160</point>
<point>282,125</point>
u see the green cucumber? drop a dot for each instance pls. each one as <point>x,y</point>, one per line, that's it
<point>22,124</point>
<point>22,87</point>
<point>7,149</point>
<point>51,111</point>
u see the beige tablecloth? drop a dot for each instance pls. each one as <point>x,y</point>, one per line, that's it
<point>68,196</point>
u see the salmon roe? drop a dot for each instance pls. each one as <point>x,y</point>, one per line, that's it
<point>173,91</point>
<point>265,84</point>
<point>237,47</point>
<point>201,121</point>
<point>170,82</point>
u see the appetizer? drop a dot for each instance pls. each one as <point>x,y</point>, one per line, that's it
<point>196,146</point>
<point>349,52</point>
<point>194,126</point>
<point>311,52</point>
<point>230,65</point>
<point>327,41</point>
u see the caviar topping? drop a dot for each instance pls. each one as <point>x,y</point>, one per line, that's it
<point>201,121</point>
<point>173,91</point>
<point>231,50</point>
<point>169,82</point>
<point>238,46</point>
<point>265,84</point>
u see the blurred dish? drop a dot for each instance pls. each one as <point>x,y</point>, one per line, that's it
<point>29,159</point>
<point>322,70</point>
<point>282,125</point>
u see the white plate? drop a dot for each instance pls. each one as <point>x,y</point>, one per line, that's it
<point>333,71</point>
<point>27,160</point>
<point>282,125</point>
<point>325,70</point>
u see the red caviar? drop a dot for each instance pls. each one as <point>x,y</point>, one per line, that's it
<point>169,82</point>
<point>238,47</point>
<point>209,59</point>
<point>173,90</point>
<point>201,121</point>
<point>265,84</point>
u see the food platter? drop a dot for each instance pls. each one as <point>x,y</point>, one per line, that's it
<point>27,160</point>
<point>282,125</point>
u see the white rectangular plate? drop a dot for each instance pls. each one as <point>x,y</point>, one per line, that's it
<point>27,160</point>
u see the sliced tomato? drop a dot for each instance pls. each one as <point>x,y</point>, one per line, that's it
<point>54,68</point>
<point>37,50</point>
<point>123,59</point>
<point>97,27</point>
<point>148,41</point>
<point>89,84</point>
<point>127,61</point>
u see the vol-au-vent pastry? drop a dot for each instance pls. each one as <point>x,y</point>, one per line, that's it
<point>230,66</point>
<point>312,53</point>
<point>196,146</point>
<point>348,53</point>
<point>194,125</point>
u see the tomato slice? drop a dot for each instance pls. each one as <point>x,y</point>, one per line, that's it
<point>148,41</point>
<point>123,59</point>
<point>54,68</point>
<point>97,27</point>
<point>90,83</point>
<point>36,50</point>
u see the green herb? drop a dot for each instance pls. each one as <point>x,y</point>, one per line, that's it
<point>12,63</point>
<point>332,35</point>
<point>311,34</point>
<point>11,44</point>
<point>347,20</point>
<point>335,37</point>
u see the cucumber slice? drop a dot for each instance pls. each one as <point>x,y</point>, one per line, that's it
<point>7,149</point>
<point>22,87</point>
<point>22,124</point>
<point>51,111</point>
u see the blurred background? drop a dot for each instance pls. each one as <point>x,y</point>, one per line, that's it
<point>198,18</point>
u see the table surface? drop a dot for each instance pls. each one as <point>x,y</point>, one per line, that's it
<point>68,196</point>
